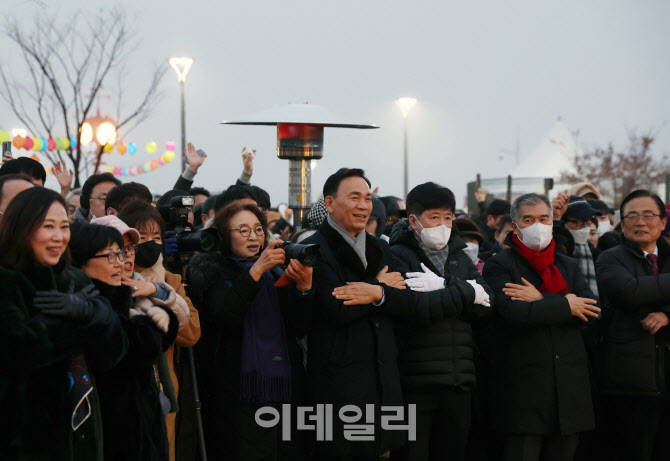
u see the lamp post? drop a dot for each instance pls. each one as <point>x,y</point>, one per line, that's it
<point>181,66</point>
<point>405,105</point>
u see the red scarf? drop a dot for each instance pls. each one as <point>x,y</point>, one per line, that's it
<point>543,263</point>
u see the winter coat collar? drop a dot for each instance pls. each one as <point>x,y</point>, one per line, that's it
<point>632,248</point>
<point>346,255</point>
<point>120,297</point>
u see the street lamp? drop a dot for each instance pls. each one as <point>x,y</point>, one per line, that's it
<point>181,66</point>
<point>405,105</point>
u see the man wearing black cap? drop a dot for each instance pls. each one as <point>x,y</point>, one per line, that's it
<point>577,216</point>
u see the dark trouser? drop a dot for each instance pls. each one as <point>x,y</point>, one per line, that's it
<point>540,447</point>
<point>442,425</point>
<point>638,427</point>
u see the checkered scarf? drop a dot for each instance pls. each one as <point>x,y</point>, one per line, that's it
<point>317,214</point>
<point>582,255</point>
<point>437,257</point>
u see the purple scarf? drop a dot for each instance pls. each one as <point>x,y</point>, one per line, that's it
<point>265,375</point>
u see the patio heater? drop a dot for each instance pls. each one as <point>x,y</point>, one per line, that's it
<point>299,140</point>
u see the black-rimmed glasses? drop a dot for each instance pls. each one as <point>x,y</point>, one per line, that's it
<point>112,257</point>
<point>245,231</point>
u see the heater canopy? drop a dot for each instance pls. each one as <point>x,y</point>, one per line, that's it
<point>299,128</point>
<point>297,113</point>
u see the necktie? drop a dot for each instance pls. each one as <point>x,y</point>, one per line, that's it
<point>654,263</point>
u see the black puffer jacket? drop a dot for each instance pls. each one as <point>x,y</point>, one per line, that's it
<point>635,362</point>
<point>440,354</point>
<point>540,376</point>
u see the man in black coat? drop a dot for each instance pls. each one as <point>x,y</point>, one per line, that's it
<point>634,280</point>
<point>540,388</point>
<point>352,358</point>
<point>437,361</point>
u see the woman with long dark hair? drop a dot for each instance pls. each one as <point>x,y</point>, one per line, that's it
<point>249,353</point>
<point>56,334</point>
<point>132,416</point>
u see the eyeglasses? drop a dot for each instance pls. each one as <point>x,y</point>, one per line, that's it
<point>112,257</point>
<point>131,249</point>
<point>245,231</point>
<point>102,197</point>
<point>634,217</point>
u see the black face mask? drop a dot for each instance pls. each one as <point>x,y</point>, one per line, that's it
<point>147,254</point>
<point>388,229</point>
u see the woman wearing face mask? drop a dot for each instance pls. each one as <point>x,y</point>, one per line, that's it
<point>250,356</point>
<point>148,265</point>
<point>539,367</point>
<point>56,330</point>
<point>473,238</point>
<point>133,423</point>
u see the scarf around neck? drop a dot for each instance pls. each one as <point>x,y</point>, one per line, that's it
<point>265,374</point>
<point>357,243</point>
<point>543,262</point>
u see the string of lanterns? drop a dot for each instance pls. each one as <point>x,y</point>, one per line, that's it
<point>40,144</point>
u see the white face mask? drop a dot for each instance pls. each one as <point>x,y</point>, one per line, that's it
<point>472,250</point>
<point>434,238</point>
<point>581,236</point>
<point>604,226</point>
<point>538,236</point>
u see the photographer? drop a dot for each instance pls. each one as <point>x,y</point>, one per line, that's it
<point>249,357</point>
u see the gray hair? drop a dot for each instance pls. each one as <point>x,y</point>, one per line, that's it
<point>529,199</point>
<point>72,194</point>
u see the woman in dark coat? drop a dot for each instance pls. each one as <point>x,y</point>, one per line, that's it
<point>248,354</point>
<point>133,420</point>
<point>57,333</point>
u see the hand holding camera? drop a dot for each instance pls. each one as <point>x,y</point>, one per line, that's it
<point>300,274</point>
<point>269,258</point>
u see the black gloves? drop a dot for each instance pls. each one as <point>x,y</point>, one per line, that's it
<point>71,305</point>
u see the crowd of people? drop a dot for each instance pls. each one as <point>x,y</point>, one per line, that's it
<point>524,331</point>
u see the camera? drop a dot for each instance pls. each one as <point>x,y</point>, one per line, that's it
<point>188,240</point>
<point>307,255</point>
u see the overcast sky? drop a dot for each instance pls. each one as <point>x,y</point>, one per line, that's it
<point>485,73</point>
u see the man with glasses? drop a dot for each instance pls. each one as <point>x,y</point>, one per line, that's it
<point>576,215</point>
<point>93,196</point>
<point>634,279</point>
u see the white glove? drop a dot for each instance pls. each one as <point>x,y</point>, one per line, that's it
<point>424,281</point>
<point>481,296</point>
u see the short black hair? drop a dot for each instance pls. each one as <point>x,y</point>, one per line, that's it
<point>644,193</point>
<point>505,220</point>
<point>231,194</point>
<point>333,182</point>
<point>123,192</point>
<point>199,191</point>
<point>138,213</point>
<point>208,204</point>
<point>25,165</point>
<point>261,196</point>
<point>498,207</point>
<point>428,196</point>
<point>87,239</point>
<point>12,177</point>
<point>91,182</point>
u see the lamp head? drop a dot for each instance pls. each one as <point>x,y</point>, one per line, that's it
<point>405,105</point>
<point>181,66</point>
